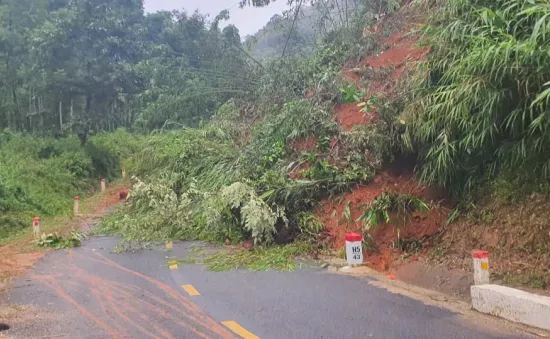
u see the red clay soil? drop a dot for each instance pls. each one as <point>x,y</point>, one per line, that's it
<point>388,68</point>
<point>349,115</point>
<point>401,51</point>
<point>352,76</point>
<point>384,235</point>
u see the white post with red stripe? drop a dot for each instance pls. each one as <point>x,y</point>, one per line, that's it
<point>102,185</point>
<point>354,249</point>
<point>76,205</point>
<point>481,267</point>
<point>36,226</point>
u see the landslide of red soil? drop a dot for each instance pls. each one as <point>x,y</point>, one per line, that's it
<point>517,235</point>
<point>400,50</point>
<point>419,226</point>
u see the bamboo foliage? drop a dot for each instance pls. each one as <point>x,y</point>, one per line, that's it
<point>480,106</point>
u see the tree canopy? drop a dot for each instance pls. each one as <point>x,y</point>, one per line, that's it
<point>72,65</point>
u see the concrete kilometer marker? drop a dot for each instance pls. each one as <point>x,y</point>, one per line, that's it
<point>76,206</point>
<point>354,249</point>
<point>481,267</point>
<point>102,185</point>
<point>36,226</point>
<point>354,254</point>
<point>124,174</point>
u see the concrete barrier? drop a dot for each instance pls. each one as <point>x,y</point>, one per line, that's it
<point>512,304</point>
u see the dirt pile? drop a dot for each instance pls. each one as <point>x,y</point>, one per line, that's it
<point>349,115</point>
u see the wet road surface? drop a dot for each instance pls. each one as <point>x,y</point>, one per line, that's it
<point>90,292</point>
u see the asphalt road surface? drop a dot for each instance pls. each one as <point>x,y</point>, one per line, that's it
<point>90,292</point>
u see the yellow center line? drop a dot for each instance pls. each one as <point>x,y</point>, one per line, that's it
<point>174,266</point>
<point>238,329</point>
<point>192,291</point>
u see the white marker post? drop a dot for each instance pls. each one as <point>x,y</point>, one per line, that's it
<point>481,267</point>
<point>36,226</point>
<point>354,249</point>
<point>124,174</point>
<point>102,185</point>
<point>76,205</point>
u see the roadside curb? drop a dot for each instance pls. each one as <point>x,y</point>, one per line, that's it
<point>433,298</point>
<point>506,302</point>
<point>512,304</point>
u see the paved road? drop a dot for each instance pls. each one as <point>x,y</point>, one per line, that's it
<point>90,292</point>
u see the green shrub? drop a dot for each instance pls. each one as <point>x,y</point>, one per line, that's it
<point>11,224</point>
<point>157,213</point>
<point>379,210</point>
<point>40,175</point>
<point>105,164</point>
<point>351,93</point>
<point>123,144</point>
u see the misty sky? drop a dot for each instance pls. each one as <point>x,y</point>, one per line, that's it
<point>248,20</point>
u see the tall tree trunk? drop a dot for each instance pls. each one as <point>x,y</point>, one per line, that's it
<point>39,112</point>
<point>16,110</point>
<point>29,112</point>
<point>61,116</point>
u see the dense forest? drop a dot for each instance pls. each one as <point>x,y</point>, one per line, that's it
<point>79,66</point>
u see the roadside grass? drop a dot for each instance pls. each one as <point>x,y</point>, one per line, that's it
<point>91,209</point>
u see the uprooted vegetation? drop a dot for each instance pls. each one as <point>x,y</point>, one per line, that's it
<point>211,188</point>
